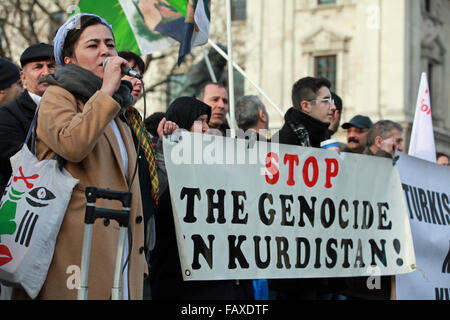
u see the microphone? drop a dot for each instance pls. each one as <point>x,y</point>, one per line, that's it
<point>126,70</point>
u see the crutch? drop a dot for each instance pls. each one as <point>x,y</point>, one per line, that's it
<point>93,213</point>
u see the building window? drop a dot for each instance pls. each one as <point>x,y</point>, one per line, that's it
<point>432,9</point>
<point>320,2</point>
<point>325,66</point>
<point>238,10</point>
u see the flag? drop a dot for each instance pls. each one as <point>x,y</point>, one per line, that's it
<point>422,137</point>
<point>147,26</point>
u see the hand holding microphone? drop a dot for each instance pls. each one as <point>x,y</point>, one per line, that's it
<point>115,68</point>
<point>125,69</point>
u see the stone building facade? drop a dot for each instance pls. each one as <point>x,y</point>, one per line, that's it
<point>374,51</point>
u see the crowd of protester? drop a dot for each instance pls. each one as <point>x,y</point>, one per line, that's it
<point>87,116</point>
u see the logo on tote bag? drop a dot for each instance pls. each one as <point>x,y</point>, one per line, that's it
<point>37,197</point>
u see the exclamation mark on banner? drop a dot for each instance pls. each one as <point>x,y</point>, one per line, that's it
<point>397,249</point>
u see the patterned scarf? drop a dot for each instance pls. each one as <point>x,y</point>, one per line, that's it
<point>144,138</point>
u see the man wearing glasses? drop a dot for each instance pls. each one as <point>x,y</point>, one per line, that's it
<point>307,122</point>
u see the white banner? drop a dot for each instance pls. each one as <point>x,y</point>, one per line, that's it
<point>426,188</point>
<point>279,211</point>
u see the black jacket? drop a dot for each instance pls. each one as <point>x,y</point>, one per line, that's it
<point>15,119</point>
<point>148,203</point>
<point>317,130</point>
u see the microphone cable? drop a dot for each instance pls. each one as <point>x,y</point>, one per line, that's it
<point>130,183</point>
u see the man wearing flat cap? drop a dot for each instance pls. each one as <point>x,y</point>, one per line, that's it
<point>10,83</point>
<point>357,129</point>
<point>37,61</point>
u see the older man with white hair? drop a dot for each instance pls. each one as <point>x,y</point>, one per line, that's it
<point>384,138</point>
<point>251,116</point>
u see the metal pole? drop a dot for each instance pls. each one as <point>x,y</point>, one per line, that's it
<point>230,69</point>
<point>244,74</point>
<point>85,256</point>
<point>208,64</point>
<point>115,293</point>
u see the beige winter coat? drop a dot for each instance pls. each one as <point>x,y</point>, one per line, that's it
<point>82,135</point>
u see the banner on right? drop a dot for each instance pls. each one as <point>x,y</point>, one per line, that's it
<point>426,189</point>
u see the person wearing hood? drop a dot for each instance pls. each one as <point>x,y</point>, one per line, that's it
<point>165,271</point>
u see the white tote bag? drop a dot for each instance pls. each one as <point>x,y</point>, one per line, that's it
<point>32,209</point>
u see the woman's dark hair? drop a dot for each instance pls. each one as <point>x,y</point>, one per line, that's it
<point>74,34</point>
<point>128,55</point>
<point>440,154</point>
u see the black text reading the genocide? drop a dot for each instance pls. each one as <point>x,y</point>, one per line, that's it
<point>427,206</point>
<point>291,212</point>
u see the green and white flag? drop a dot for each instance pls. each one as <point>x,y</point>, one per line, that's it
<point>147,26</point>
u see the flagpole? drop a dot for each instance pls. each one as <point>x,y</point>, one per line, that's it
<point>230,69</point>
<point>245,75</point>
<point>209,66</point>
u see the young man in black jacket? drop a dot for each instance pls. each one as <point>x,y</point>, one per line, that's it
<point>306,124</point>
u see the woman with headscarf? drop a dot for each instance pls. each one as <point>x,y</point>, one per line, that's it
<point>79,120</point>
<point>165,271</point>
<point>189,114</point>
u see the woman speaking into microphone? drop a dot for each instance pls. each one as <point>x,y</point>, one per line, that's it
<point>79,119</point>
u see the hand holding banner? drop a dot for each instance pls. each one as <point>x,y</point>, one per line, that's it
<point>278,211</point>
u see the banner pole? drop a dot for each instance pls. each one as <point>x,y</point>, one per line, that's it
<point>209,66</point>
<point>244,74</point>
<point>230,69</point>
